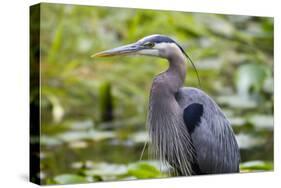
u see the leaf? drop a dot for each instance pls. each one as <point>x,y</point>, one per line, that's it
<point>256,165</point>
<point>56,44</point>
<point>143,170</point>
<point>250,78</point>
<point>69,179</point>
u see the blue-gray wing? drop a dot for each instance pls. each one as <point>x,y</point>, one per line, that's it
<point>212,136</point>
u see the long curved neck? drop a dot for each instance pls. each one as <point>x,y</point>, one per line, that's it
<point>162,100</point>
<point>176,71</point>
<point>167,130</point>
<point>169,82</point>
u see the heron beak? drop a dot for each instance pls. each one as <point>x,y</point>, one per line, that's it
<point>122,50</point>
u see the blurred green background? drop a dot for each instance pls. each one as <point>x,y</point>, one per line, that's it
<point>93,111</point>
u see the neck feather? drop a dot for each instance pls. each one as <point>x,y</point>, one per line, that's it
<point>167,130</point>
<point>169,82</point>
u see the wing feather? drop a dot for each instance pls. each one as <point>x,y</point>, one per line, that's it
<point>213,139</point>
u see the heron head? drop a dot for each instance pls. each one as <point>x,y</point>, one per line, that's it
<point>153,45</point>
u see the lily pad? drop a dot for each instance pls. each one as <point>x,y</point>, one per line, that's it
<point>101,135</point>
<point>95,135</point>
<point>262,121</point>
<point>236,101</point>
<point>82,125</point>
<point>71,136</point>
<point>69,179</point>
<point>237,121</point>
<point>140,137</point>
<point>78,144</point>
<point>256,165</point>
<point>49,141</point>
<point>105,169</point>
<point>144,170</point>
<point>248,141</point>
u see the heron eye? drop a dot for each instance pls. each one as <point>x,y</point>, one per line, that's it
<point>149,44</point>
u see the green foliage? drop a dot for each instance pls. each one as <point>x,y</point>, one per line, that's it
<point>80,95</point>
<point>144,170</point>
<point>256,165</point>
<point>250,78</point>
<point>103,171</point>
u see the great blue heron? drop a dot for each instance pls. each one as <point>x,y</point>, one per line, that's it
<point>188,130</point>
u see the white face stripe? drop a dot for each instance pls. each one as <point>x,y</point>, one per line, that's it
<point>165,45</point>
<point>151,52</point>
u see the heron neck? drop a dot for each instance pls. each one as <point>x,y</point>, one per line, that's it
<point>170,81</point>
<point>176,71</point>
<point>166,126</point>
<point>165,86</point>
